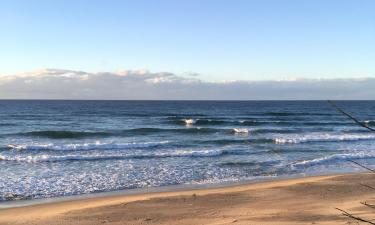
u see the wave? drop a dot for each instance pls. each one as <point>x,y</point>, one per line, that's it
<point>210,122</point>
<point>240,122</point>
<point>370,122</point>
<point>297,123</point>
<point>240,131</point>
<point>281,113</point>
<point>56,158</point>
<point>238,163</point>
<point>86,146</point>
<point>249,122</point>
<point>197,130</point>
<point>139,131</point>
<point>318,137</point>
<point>334,157</point>
<point>205,121</point>
<point>249,163</point>
<point>277,131</point>
<point>130,132</point>
<point>189,121</point>
<point>250,141</point>
<point>65,134</point>
<point>257,122</point>
<point>295,114</point>
<point>7,124</point>
<point>14,197</point>
<point>323,124</point>
<point>224,142</point>
<point>138,114</point>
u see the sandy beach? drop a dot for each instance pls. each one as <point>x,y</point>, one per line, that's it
<point>310,200</point>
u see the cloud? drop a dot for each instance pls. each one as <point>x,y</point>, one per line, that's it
<point>143,84</point>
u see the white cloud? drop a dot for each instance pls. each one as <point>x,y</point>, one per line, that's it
<point>143,84</point>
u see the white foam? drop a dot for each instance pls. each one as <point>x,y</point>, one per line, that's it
<point>218,180</point>
<point>300,138</point>
<point>86,146</point>
<point>341,156</point>
<point>189,121</point>
<point>204,153</point>
<point>53,158</point>
<point>241,130</point>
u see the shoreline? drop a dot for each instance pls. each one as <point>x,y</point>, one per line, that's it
<point>314,192</point>
<point>147,190</point>
<point>161,189</point>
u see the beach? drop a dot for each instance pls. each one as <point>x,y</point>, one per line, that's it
<point>307,200</point>
<point>187,112</point>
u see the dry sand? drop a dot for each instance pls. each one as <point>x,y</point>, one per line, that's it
<point>310,200</point>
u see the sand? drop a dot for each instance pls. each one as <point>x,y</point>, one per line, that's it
<point>310,200</point>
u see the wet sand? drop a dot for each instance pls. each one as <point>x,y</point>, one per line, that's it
<point>310,200</point>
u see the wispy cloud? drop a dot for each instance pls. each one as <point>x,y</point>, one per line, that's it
<point>143,84</point>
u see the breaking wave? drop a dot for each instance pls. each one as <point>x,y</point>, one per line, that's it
<point>71,157</point>
<point>370,122</point>
<point>86,146</point>
<point>241,131</point>
<point>318,137</point>
<point>334,157</point>
<point>129,132</point>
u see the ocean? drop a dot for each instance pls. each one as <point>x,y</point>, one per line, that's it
<point>65,148</point>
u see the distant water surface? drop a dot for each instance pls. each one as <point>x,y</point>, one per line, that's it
<point>61,148</point>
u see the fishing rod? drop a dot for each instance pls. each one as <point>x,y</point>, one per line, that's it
<point>350,116</point>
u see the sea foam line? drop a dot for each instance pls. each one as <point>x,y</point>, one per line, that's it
<point>86,146</point>
<point>295,139</point>
<point>329,158</point>
<point>54,158</point>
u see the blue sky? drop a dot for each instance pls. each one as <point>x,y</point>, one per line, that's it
<point>219,40</point>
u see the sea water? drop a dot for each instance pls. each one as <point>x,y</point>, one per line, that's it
<point>63,148</point>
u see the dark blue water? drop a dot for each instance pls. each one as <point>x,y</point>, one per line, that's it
<point>59,148</point>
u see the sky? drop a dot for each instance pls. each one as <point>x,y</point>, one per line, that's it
<point>210,41</point>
